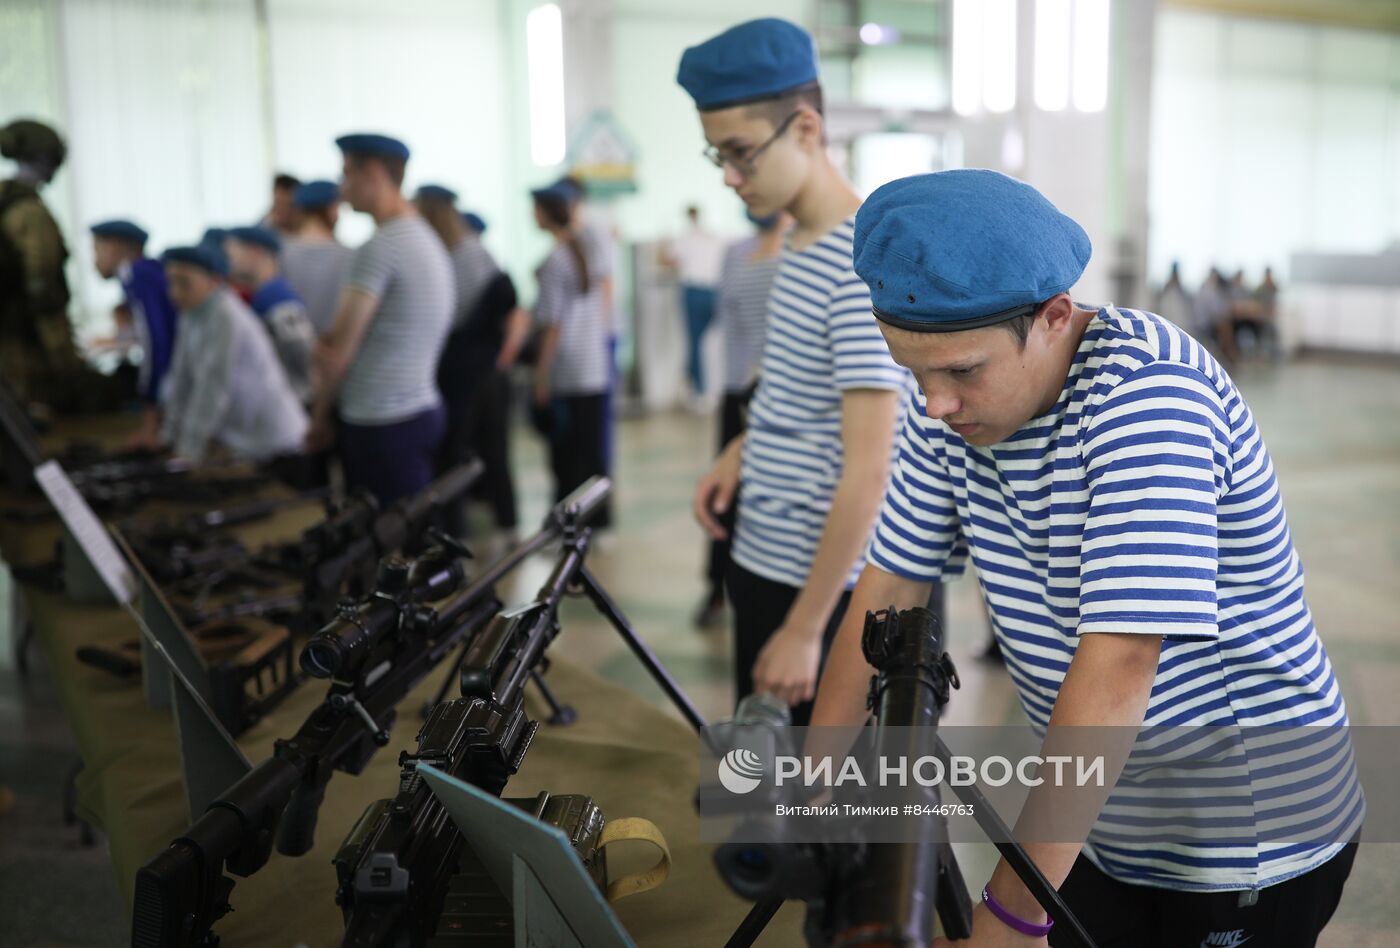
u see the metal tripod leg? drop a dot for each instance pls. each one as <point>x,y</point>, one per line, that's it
<point>560,715</point>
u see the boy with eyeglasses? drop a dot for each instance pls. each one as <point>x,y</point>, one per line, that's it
<point>810,471</point>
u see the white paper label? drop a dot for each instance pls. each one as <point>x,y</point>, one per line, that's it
<point>87,530</point>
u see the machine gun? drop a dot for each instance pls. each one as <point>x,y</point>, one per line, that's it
<point>375,651</point>
<point>396,866</point>
<point>863,893</point>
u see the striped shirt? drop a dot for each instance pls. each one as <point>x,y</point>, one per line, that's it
<point>226,386</point>
<point>1145,502</point>
<point>284,315</point>
<point>742,311</point>
<point>581,356</point>
<point>317,271</point>
<point>472,270</point>
<point>393,375</point>
<point>822,342</point>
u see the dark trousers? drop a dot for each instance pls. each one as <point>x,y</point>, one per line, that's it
<point>699,305</point>
<point>394,460</point>
<point>731,425</point>
<point>760,606</point>
<point>1287,915</point>
<point>577,449</point>
<point>478,425</point>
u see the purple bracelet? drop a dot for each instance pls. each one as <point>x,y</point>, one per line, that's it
<point>1011,921</point>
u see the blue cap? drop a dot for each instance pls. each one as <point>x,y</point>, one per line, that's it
<point>214,236</point>
<point>204,255</point>
<point>380,146</point>
<point>120,230</point>
<point>264,237</point>
<point>963,249</point>
<point>436,192</point>
<point>558,190</point>
<point>316,194</point>
<point>760,59</point>
<point>474,221</point>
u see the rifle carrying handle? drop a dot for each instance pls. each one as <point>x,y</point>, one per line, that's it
<point>636,828</point>
<point>297,832</point>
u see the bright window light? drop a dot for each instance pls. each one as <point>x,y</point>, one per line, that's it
<point>544,56</point>
<point>1052,54</point>
<point>999,55</point>
<point>967,56</point>
<point>1090,55</point>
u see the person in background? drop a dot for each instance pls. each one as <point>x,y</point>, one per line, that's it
<point>119,252</point>
<point>1210,311</point>
<point>252,255</point>
<point>810,470</point>
<point>226,384</point>
<point>741,314</point>
<point>1173,302</point>
<point>376,365</point>
<point>600,246</point>
<point>696,256</point>
<point>475,221</point>
<point>284,216</point>
<point>571,375</point>
<point>37,353</point>
<point>314,262</point>
<point>488,329</point>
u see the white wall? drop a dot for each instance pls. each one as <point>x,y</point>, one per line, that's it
<point>1271,138</point>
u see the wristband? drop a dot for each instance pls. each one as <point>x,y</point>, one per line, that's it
<point>1012,921</point>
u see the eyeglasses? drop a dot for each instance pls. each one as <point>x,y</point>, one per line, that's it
<point>741,159</point>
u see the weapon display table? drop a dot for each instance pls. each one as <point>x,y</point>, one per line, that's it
<point>630,756</point>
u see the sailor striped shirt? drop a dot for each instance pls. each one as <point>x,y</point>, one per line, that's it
<point>1145,502</point>
<point>822,342</point>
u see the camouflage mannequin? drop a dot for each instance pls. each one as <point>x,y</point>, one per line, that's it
<point>37,354</point>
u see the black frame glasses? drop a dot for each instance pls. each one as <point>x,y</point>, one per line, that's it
<point>744,163</point>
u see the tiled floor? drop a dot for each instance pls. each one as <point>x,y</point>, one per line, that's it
<point>1333,428</point>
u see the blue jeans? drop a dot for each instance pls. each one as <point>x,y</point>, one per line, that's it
<point>699,305</point>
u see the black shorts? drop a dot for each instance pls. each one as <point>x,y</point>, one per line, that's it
<point>1288,915</point>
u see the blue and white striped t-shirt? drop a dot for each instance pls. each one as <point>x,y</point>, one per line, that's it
<point>581,359</point>
<point>1146,502</point>
<point>822,342</point>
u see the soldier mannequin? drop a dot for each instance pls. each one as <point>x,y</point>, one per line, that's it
<point>36,339</point>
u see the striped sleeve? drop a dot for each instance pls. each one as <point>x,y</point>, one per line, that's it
<point>1155,453</point>
<point>917,535</point>
<point>555,279</point>
<point>858,350</point>
<point>372,269</point>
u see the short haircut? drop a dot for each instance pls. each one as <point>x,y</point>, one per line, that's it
<point>779,107</point>
<point>393,166</point>
<point>285,182</point>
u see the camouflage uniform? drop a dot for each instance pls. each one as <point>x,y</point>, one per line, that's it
<point>37,353</point>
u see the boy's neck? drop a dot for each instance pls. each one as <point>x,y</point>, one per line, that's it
<point>821,205</point>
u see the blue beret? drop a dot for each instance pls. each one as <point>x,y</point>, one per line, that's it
<point>120,230</point>
<point>214,236</point>
<point>558,190</point>
<point>205,255</point>
<point>316,194</point>
<point>436,192</point>
<point>264,237</point>
<point>962,249</point>
<point>756,60</point>
<point>381,146</point>
<point>474,221</point>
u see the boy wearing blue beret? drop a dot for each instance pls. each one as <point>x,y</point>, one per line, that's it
<point>119,252</point>
<point>226,386</point>
<point>1108,480</point>
<point>375,367</point>
<point>253,261</point>
<point>315,263</point>
<point>809,472</point>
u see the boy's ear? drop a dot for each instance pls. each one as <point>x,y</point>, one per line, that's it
<point>809,128</point>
